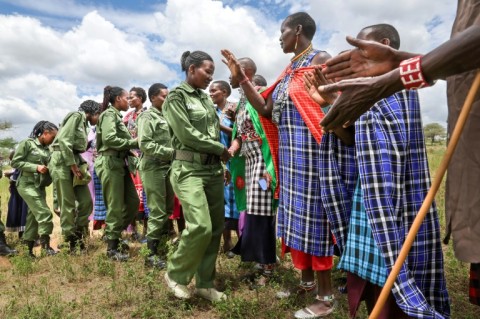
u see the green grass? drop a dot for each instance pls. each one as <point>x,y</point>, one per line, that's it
<point>92,286</point>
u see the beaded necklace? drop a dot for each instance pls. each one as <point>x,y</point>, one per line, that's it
<point>301,54</point>
<point>282,98</point>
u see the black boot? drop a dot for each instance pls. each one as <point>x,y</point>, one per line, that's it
<point>82,234</point>
<point>45,243</point>
<point>113,252</point>
<point>153,260</point>
<point>124,247</point>
<point>5,250</point>
<point>72,241</point>
<point>30,244</point>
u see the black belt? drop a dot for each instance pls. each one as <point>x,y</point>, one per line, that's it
<point>192,157</point>
<point>156,159</point>
<point>112,153</point>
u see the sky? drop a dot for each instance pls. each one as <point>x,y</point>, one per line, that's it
<point>54,54</point>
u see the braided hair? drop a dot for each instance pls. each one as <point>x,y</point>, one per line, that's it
<point>196,58</point>
<point>155,89</point>
<point>140,93</point>
<point>110,93</point>
<point>90,107</point>
<point>41,127</point>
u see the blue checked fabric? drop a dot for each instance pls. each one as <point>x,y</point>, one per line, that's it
<point>229,196</point>
<point>338,175</point>
<point>100,210</point>
<point>302,222</point>
<point>394,177</point>
<point>362,256</point>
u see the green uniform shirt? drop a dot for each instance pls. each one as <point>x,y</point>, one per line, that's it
<point>112,134</point>
<point>72,137</point>
<point>193,121</point>
<point>153,137</point>
<point>29,154</point>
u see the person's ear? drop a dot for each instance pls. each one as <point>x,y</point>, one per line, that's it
<point>191,69</point>
<point>298,29</point>
<point>385,41</point>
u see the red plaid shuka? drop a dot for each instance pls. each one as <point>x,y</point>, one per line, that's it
<point>474,289</point>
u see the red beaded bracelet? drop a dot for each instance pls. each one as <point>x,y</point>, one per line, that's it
<point>411,74</point>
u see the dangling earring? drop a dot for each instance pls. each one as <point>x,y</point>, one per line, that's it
<point>296,42</point>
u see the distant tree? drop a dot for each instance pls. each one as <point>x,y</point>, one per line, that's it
<point>6,144</point>
<point>433,131</point>
<point>4,125</point>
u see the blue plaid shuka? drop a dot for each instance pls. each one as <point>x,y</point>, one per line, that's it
<point>99,210</point>
<point>229,195</point>
<point>362,256</point>
<point>394,177</point>
<point>338,174</point>
<point>302,221</point>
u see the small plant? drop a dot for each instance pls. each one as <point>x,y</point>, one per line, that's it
<point>23,264</point>
<point>105,267</point>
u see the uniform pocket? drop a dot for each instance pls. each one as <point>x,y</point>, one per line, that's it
<point>198,118</point>
<point>178,172</point>
<point>81,139</point>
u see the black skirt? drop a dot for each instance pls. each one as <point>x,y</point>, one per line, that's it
<point>257,242</point>
<point>17,211</point>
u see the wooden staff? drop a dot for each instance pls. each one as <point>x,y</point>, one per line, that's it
<point>428,199</point>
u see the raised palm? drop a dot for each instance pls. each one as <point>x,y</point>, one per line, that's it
<point>233,65</point>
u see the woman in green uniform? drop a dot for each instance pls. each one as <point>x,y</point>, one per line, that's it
<point>197,178</point>
<point>113,145</point>
<point>156,146</point>
<point>65,164</point>
<point>31,158</point>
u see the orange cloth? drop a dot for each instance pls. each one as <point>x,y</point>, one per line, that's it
<point>304,261</point>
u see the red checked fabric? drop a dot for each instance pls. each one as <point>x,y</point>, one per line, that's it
<point>411,74</point>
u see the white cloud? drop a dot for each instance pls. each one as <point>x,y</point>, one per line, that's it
<point>210,26</point>
<point>47,70</point>
<point>433,102</point>
<point>28,45</point>
<point>102,53</point>
<point>28,99</point>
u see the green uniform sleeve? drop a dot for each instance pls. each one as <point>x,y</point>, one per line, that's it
<point>67,138</point>
<point>19,159</point>
<point>110,138</point>
<point>177,117</point>
<point>146,142</point>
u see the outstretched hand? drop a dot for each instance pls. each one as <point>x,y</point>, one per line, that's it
<point>368,58</point>
<point>357,97</point>
<point>233,65</point>
<point>312,80</point>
